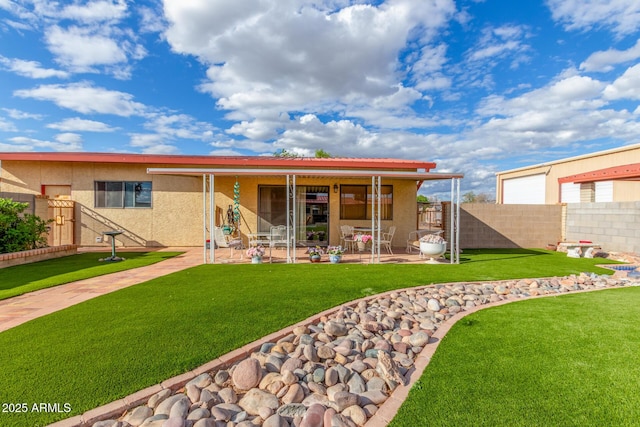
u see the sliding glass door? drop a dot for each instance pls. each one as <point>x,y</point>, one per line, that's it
<point>312,211</point>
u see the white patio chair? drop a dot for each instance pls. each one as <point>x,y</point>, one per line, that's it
<point>221,241</point>
<point>387,238</point>
<point>347,239</point>
<point>277,238</point>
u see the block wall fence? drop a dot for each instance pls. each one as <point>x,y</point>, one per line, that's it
<point>614,225</point>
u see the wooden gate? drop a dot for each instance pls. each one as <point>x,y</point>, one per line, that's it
<point>62,212</point>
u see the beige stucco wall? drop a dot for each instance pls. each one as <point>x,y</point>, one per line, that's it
<point>176,218</point>
<point>622,190</point>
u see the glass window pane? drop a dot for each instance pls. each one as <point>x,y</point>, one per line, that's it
<point>137,194</point>
<point>113,195</point>
<point>353,201</point>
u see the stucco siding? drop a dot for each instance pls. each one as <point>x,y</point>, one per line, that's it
<point>176,215</point>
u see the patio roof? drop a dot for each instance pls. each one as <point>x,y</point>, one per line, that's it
<point>623,172</point>
<point>384,173</point>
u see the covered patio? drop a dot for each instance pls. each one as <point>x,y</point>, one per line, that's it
<point>290,250</point>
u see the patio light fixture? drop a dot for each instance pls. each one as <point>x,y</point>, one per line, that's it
<point>335,188</point>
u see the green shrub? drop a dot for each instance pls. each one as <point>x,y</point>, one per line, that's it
<point>20,231</point>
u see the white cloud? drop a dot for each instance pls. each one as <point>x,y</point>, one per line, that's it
<point>32,69</point>
<point>85,98</point>
<point>21,115</point>
<point>626,86</point>
<point>500,42</point>
<point>63,142</point>
<point>265,56</point>
<point>95,11</point>
<point>152,144</point>
<point>179,126</point>
<point>77,124</point>
<point>7,126</point>
<point>605,60</point>
<point>622,17</point>
<point>89,37</point>
<point>79,49</point>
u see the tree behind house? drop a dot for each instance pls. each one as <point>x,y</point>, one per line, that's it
<point>20,231</point>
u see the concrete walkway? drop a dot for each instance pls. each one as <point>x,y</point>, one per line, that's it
<point>17,310</point>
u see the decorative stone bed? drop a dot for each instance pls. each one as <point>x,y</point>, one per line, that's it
<point>349,366</point>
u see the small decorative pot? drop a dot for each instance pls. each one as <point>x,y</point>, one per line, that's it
<point>256,260</point>
<point>335,259</point>
<point>315,258</point>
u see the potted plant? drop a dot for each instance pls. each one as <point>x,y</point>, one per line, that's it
<point>256,253</point>
<point>315,254</point>
<point>432,246</point>
<point>311,235</point>
<point>321,235</point>
<point>361,240</point>
<point>335,254</point>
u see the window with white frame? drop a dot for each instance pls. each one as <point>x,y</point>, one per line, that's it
<point>122,194</point>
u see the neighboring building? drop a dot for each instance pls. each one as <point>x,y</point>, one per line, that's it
<point>166,200</point>
<point>605,176</point>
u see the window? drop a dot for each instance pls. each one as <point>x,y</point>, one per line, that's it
<point>123,194</point>
<point>355,202</point>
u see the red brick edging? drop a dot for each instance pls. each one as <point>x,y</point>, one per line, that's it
<point>35,255</point>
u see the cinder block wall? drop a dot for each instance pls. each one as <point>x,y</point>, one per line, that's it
<point>614,225</point>
<point>484,225</point>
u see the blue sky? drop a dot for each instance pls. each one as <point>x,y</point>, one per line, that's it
<point>476,86</point>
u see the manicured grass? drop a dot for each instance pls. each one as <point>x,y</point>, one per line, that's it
<point>21,279</point>
<point>566,361</point>
<point>108,347</point>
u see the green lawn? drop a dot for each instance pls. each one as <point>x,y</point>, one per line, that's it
<point>113,345</point>
<point>21,279</point>
<point>566,361</point>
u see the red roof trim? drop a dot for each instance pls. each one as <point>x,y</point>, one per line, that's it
<point>631,171</point>
<point>222,161</point>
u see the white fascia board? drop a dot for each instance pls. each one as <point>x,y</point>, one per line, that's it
<point>316,172</point>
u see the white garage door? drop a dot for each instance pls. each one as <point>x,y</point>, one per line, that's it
<point>604,191</point>
<point>528,190</point>
<point>570,192</point>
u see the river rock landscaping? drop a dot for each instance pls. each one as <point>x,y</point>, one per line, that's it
<point>339,370</point>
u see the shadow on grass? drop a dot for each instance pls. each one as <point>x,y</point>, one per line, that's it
<point>497,254</point>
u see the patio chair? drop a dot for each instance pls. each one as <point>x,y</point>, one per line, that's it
<point>347,240</point>
<point>387,238</point>
<point>277,238</point>
<point>221,241</point>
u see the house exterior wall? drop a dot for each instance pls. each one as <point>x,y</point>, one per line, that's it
<point>622,190</point>
<point>176,215</point>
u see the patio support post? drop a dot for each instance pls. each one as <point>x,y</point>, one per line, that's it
<point>458,224</point>
<point>212,219</point>
<point>204,218</point>
<point>373,217</point>
<point>452,232</point>
<point>376,190</point>
<point>288,218</point>
<point>379,215</point>
<point>291,218</point>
